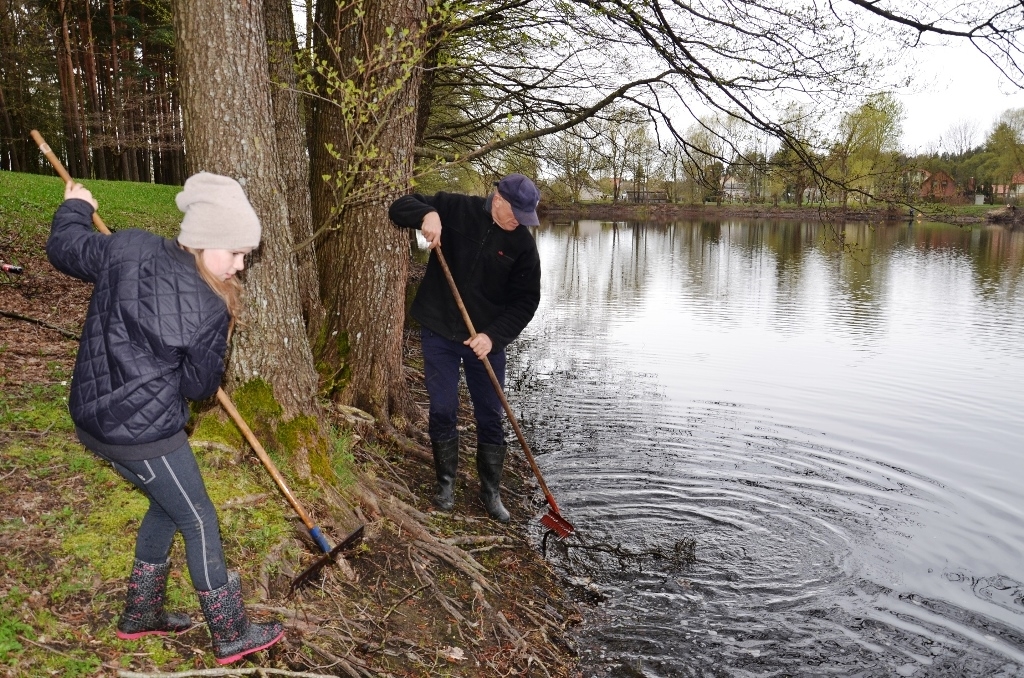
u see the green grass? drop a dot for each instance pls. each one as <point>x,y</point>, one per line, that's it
<point>28,201</point>
<point>82,536</point>
<point>85,537</point>
<point>94,516</point>
<point>35,407</point>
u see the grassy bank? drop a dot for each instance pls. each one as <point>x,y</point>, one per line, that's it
<point>426,593</point>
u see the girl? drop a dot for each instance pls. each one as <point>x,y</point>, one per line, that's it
<point>155,336</point>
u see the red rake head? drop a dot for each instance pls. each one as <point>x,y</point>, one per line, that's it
<point>557,524</point>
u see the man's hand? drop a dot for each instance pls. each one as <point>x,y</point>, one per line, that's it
<point>79,192</point>
<point>481,345</point>
<point>430,227</point>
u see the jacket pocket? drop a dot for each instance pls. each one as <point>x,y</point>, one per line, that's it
<point>496,276</point>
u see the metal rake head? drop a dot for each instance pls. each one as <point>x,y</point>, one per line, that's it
<point>313,570</point>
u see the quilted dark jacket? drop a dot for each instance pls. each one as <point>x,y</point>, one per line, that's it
<point>497,271</point>
<point>155,334</point>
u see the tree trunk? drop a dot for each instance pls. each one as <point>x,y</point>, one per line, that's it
<point>78,99</point>
<point>117,123</point>
<point>11,162</point>
<point>69,105</point>
<point>229,129</point>
<point>95,119</point>
<point>293,153</point>
<point>364,258</point>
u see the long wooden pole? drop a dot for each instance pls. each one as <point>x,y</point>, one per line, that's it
<point>494,381</point>
<point>222,397</point>
<point>55,161</point>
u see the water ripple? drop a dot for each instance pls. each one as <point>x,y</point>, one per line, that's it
<point>839,436</point>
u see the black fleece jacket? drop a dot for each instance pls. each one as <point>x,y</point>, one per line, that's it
<point>497,271</point>
<point>155,334</point>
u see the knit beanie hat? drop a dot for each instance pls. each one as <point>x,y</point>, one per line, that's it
<point>217,214</point>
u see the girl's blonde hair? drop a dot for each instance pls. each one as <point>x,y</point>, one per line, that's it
<point>229,290</point>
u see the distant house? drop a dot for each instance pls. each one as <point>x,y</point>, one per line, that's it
<point>1011,192</point>
<point>938,186</point>
<point>734,189</point>
<point>633,195</point>
<point>812,194</point>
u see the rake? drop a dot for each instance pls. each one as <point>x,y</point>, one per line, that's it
<point>314,531</point>
<point>553,519</point>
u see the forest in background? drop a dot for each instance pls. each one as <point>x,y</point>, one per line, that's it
<point>99,79</point>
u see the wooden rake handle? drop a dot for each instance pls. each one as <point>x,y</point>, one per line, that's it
<point>222,397</point>
<point>250,437</point>
<point>497,385</point>
<point>55,161</point>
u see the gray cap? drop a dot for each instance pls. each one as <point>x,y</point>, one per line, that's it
<point>218,216</point>
<point>522,195</point>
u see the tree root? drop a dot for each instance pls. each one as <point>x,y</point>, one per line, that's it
<point>365,638</point>
<point>473,540</point>
<point>521,649</point>
<point>337,661</point>
<point>399,513</point>
<point>422,573</point>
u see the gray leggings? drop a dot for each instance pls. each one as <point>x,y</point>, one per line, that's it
<point>178,502</point>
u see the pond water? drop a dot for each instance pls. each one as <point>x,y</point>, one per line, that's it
<point>834,429</point>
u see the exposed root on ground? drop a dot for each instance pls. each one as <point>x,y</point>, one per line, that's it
<point>425,594</point>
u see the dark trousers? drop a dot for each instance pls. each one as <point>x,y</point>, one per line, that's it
<point>178,502</point>
<point>441,360</point>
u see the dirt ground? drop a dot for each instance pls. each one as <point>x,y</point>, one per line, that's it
<point>427,594</point>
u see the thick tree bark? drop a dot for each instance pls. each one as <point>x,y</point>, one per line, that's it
<point>293,154</point>
<point>11,162</point>
<point>364,258</point>
<point>229,129</point>
<point>95,117</point>
<point>69,105</point>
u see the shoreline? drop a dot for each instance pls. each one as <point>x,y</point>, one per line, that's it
<point>664,212</point>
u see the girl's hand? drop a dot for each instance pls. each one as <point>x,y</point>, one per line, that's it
<point>79,192</point>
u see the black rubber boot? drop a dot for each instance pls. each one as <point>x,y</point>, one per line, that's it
<point>144,612</point>
<point>446,464</point>
<point>233,635</point>
<point>490,459</point>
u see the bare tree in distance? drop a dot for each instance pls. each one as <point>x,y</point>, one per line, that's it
<point>961,137</point>
<point>572,154</point>
<point>748,59</point>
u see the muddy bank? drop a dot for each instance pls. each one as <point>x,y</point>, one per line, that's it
<point>425,593</point>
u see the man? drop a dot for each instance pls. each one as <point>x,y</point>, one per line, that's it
<point>493,259</point>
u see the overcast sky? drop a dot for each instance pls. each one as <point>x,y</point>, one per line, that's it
<point>955,83</point>
<point>951,83</point>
